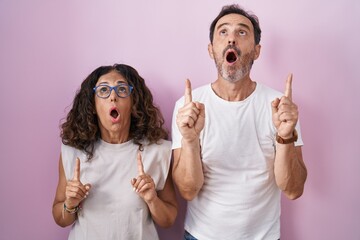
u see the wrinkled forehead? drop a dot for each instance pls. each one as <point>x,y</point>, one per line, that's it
<point>111,78</point>
<point>234,19</point>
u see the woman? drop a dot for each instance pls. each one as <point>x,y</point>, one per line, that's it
<point>114,178</point>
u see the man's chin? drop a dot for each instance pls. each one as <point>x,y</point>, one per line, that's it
<point>232,75</point>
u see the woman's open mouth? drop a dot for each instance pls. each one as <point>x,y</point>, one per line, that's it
<point>114,114</point>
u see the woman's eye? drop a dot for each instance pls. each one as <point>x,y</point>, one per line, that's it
<point>122,89</point>
<point>103,89</point>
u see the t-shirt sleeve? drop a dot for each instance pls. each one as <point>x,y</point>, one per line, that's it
<point>158,167</point>
<point>68,157</point>
<point>299,142</point>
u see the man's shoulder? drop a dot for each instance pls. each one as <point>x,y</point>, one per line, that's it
<point>201,90</point>
<point>266,91</point>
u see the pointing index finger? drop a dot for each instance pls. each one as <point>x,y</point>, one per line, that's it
<point>188,96</point>
<point>288,89</point>
<point>77,170</point>
<point>140,164</point>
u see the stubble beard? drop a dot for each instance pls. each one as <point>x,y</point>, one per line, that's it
<point>234,73</point>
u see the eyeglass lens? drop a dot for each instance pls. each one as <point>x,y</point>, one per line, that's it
<point>104,91</point>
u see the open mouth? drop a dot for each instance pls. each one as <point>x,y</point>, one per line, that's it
<point>231,57</point>
<point>114,113</point>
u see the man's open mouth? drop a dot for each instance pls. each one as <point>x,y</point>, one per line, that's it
<point>231,57</point>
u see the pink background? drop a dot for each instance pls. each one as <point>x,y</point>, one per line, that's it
<point>48,47</point>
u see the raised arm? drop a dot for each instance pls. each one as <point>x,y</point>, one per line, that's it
<point>187,169</point>
<point>290,169</point>
<point>162,204</point>
<point>69,194</point>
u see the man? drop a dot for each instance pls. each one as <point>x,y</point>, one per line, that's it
<point>236,142</point>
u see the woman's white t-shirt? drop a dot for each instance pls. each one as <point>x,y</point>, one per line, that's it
<point>113,210</point>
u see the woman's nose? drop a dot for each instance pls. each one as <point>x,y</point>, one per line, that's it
<point>113,96</point>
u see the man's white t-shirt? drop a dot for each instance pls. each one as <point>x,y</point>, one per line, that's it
<point>113,210</point>
<point>239,198</point>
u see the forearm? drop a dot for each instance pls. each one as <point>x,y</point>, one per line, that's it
<point>290,170</point>
<point>187,171</point>
<point>163,213</point>
<point>62,217</point>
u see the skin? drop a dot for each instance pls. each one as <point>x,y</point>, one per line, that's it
<point>234,84</point>
<point>162,204</point>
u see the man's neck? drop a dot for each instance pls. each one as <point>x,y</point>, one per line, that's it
<point>233,91</point>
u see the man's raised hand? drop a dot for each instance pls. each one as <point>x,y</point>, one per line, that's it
<point>191,117</point>
<point>284,112</point>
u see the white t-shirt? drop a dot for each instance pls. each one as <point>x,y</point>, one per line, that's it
<point>113,210</point>
<point>239,198</point>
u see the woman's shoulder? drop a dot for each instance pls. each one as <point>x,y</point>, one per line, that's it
<point>160,144</point>
<point>69,153</point>
<point>161,149</point>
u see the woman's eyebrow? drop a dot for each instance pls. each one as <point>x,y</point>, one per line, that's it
<point>121,81</point>
<point>103,83</point>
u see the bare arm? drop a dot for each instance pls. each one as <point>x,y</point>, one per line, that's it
<point>162,204</point>
<point>187,169</point>
<point>58,205</point>
<point>70,193</point>
<point>290,170</point>
<point>163,208</point>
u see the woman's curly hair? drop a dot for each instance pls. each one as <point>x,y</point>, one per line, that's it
<point>81,130</point>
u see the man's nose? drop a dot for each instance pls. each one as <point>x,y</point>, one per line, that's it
<point>231,38</point>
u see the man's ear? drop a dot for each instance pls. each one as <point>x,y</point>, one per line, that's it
<point>257,51</point>
<point>210,50</point>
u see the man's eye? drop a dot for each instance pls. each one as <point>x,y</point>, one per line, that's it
<point>222,32</point>
<point>242,33</point>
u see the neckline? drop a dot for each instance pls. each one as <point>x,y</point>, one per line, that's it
<point>241,102</point>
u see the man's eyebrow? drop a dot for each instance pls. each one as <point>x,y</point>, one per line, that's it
<point>245,26</point>
<point>240,24</point>
<point>221,25</point>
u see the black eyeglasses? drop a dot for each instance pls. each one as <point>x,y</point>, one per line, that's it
<point>122,90</point>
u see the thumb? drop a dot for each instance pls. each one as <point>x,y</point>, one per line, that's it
<point>201,108</point>
<point>274,105</point>
<point>87,186</point>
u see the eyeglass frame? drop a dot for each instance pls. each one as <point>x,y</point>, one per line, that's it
<point>113,88</point>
